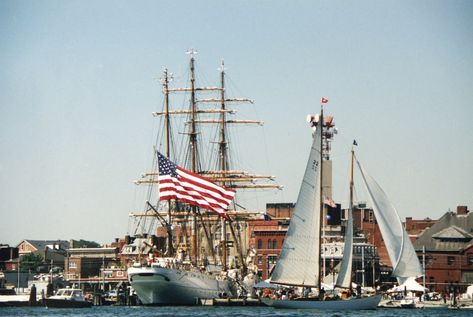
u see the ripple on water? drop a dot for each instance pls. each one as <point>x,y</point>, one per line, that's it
<point>141,311</point>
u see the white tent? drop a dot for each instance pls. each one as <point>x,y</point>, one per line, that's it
<point>410,285</point>
<point>469,291</point>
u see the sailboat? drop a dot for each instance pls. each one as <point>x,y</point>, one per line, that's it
<point>195,263</point>
<point>299,261</point>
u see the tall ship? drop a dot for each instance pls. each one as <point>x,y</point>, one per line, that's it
<point>189,240</point>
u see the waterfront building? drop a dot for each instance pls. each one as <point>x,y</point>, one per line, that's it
<point>447,247</point>
<point>53,252</point>
<point>266,237</point>
<point>8,257</point>
<point>99,268</point>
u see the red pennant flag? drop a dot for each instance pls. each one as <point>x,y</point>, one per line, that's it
<point>324,100</point>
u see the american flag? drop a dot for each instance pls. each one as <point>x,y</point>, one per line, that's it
<point>183,185</point>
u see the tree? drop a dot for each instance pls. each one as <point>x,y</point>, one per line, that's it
<point>31,261</point>
<point>85,244</point>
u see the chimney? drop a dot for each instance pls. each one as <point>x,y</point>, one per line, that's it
<point>462,210</point>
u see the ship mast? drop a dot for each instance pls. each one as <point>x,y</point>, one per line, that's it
<point>223,164</point>
<point>170,249</point>
<point>223,175</point>
<point>193,144</point>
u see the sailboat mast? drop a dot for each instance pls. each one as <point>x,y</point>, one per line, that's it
<point>223,162</point>
<point>193,144</point>
<point>350,203</point>
<point>168,152</point>
<point>321,220</point>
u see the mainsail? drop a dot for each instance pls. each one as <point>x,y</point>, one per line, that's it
<point>298,262</point>
<point>400,249</point>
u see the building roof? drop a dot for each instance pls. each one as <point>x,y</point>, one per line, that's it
<point>451,233</point>
<point>41,245</point>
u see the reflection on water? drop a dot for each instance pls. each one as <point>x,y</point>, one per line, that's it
<point>141,311</point>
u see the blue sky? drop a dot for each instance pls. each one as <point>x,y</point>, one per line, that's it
<point>79,81</point>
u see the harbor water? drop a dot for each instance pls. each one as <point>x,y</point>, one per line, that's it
<point>145,311</point>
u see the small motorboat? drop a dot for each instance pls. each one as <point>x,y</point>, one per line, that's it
<point>67,298</point>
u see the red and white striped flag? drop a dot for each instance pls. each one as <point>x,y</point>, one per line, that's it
<point>183,185</point>
<point>324,100</point>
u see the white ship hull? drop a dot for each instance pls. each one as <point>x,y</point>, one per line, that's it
<point>361,303</point>
<point>165,286</point>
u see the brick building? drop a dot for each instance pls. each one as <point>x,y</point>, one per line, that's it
<point>94,266</point>
<point>448,246</point>
<point>8,256</point>
<point>266,237</point>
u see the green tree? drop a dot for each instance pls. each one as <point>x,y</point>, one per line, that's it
<point>85,244</point>
<point>30,261</point>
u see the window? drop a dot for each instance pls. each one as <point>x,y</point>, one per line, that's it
<point>275,244</point>
<point>260,260</point>
<point>470,259</point>
<point>270,244</point>
<point>370,217</point>
<point>450,260</point>
<point>271,262</point>
<point>272,259</point>
<point>260,244</point>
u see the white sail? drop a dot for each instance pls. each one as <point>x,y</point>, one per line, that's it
<point>344,276</point>
<point>299,263</point>
<point>400,249</point>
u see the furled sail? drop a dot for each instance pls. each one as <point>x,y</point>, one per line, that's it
<point>400,249</point>
<point>299,263</point>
